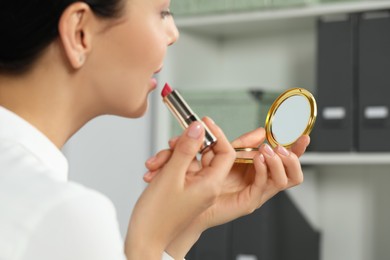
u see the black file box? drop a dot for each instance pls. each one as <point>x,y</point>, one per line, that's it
<point>255,236</point>
<point>336,47</point>
<point>374,81</point>
<point>214,244</point>
<point>276,231</point>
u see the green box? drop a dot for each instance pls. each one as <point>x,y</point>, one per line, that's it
<point>235,111</point>
<point>199,7</point>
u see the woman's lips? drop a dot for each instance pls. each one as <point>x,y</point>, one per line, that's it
<point>153,83</point>
<point>153,80</point>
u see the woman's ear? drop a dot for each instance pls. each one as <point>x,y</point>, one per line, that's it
<point>75,32</point>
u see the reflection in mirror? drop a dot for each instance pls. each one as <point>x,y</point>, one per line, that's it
<point>290,119</point>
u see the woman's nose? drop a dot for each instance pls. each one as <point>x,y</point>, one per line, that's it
<point>173,34</point>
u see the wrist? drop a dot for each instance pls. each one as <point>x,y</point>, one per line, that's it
<point>183,242</point>
<point>141,244</point>
<point>140,249</point>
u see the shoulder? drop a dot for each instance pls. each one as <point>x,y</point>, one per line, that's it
<point>84,211</point>
<point>80,225</point>
<point>72,198</point>
<point>72,201</point>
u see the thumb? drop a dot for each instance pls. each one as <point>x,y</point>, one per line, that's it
<point>186,148</point>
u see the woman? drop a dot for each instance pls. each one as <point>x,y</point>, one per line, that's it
<point>65,62</point>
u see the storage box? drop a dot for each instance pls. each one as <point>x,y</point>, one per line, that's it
<point>235,111</point>
<point>199,7</point>
<point>373,81</point>
<point>336,122</point>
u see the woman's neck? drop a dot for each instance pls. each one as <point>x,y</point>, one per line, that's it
<point>47,98</point>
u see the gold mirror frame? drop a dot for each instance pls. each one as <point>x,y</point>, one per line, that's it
<point>270,117</point>
<point>275,106</point>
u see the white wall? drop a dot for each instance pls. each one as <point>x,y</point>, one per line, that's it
<point>349,205</point>
<point>108,155</point>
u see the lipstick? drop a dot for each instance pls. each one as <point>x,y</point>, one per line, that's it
<point>184,114</point>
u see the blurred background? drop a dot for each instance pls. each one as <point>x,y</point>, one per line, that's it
<point>232,59</point>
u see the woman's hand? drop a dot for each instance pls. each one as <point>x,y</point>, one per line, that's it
<point>178,194</point>
<point>246,187</point>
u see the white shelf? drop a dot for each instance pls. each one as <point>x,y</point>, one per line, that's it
<point>353,158</point>
<point>226,24</point>
<point>203,32</point>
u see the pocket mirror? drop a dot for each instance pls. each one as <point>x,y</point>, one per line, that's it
<point>292,115</point>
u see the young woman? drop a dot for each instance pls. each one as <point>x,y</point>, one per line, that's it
<point>65,62</point>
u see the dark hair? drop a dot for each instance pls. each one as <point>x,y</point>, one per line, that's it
<point>28,26</point>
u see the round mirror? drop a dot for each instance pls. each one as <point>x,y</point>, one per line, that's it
<point>291,115</point>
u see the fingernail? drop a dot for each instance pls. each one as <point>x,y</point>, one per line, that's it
<point>146,175</point>
<point>269,150</point>
<point>262,159</point>
<point>211,120</point>
<point>283,151</point>
<point>195,130</point>
<point>151,160</point>
<point>173,140</point>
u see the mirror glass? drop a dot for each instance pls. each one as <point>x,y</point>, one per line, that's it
<point>290,120</point>
<point>291,115</point>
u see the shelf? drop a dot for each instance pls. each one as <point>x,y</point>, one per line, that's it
<point>334,158</point>
<point>226,24</point>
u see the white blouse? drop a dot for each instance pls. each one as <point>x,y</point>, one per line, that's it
<point>43,216</point>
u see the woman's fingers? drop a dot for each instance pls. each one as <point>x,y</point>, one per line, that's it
<point>251,139</point>
<point>186,149</point>
<point>187,146</point>
<point>275,165</point>
<point>156,162</point>
<point>172,142</point>
<point>276,169</point>
<point>284,169</point>
<point>283,165</point>
<point>223,152</point>
<point>292,166</point>
<point>149,176</point>
<point>222,148</point>
<point>300,145</point>
<point>260,182</point>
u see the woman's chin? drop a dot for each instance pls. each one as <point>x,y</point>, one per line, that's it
<point>138,112</point>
